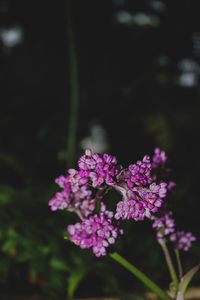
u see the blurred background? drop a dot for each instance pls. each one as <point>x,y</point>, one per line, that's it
<point>117,76</point>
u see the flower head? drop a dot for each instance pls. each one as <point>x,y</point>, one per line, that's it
<point>159,158</point>
<point>96,232</point>
<point>139,173</point>
<point>164,225</point>
<point>76,195</point>
<point>182,240</point>
<point>141,197</point>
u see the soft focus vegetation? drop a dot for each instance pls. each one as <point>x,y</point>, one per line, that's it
<point>137,65</point>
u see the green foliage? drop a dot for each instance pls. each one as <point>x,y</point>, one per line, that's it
<point>185,280</point>
<point>29,234</point>
<point>76,275</point>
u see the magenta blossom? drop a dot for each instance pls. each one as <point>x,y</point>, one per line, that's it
<point>75,196</point>
<point>142,197</point>
<point>164,225</point>
<point>96,232</point>
<point>182,240</point>
<point>159,158</point>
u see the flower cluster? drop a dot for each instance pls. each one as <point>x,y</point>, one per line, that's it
<point>160,168</point>
<point>164,225</point>
<point>159,158</point>
<point>182,240</point>
<point>140,202</point>
<point>139,174</point>
<point>165,230</point>
<point>163,221</point>
<point>98,231</point>
<point>100,168</point>
<point>77,196</point>
<point>142,194</point>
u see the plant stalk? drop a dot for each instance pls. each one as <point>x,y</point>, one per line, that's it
<point>179,296</point>
<point>169,264</point>
<point>180,269</point>
<point>141,276</point>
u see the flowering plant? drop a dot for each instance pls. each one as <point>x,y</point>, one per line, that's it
<point>143,187</point>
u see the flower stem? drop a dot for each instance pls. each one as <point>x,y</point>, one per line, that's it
<point>180,269</point>
<point>179,296</point>
<point>169,264</point>
<point>141,276</point>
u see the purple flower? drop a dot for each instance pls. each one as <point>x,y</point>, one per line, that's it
<point>171,187</point>
<point>61,200</point>
<point>164,225</point>
<point>102,169</point>
<point>141,197</point>
<point>130,208</point>
<point>76,195</point>
<point>87,162</point>
<point>96,179</point>
<point>138,202</point>
<point>62,181</point>
<point>139,173</point>
<point>160,169</point>
<point>96,232</point>
<point>182,240</point>
<point>142,186</point>
<point>159,158</point>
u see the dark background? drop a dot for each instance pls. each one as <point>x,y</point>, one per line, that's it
<point>138,78</point>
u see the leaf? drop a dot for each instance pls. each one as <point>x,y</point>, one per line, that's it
<point>9,244</point>
<point>185,280</point>
<point>172,287</point>
<point>59,265</point>
<point>73,281</point>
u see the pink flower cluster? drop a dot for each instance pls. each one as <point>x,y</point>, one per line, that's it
<point>141,192</point>
<point>139,174</point>
<point>165,228</point>
<point>83,188</point>
<point>160,168</point>
<point>159,158</point>
<point>163,222</point>
<point>164,225</point>
<point>100,169</point>
<point>75,196</point>
<point>97,232</point>
<point>182,240</point>
<point>140,202</point>
<point>141,196</point>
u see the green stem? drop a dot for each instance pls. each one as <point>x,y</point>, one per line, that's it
<point>74,98</point>
<point>169,264</point>
<point>180,269</point>
<point>141,276</point>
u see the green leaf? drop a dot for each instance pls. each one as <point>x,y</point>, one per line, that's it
<point>185,280</point>
<point>59,265</point>
<point>73,281</point>
<point>8,245</point>
<point>172,287</point>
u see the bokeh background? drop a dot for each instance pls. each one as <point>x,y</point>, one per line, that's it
<point>118,76</point>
